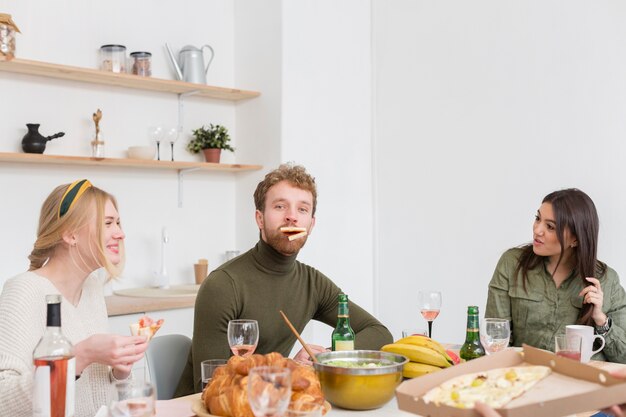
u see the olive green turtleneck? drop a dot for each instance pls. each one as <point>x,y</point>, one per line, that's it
<point>256,285</point>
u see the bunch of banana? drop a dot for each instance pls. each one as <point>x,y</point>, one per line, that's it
<point>425,355</point>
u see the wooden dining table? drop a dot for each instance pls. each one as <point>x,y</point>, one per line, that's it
<point>182,407</point>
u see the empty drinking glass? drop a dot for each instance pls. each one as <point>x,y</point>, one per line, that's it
<point>269,390</point>
<point>495,335</point>
<point>133,399</point>
<point>207,368</point>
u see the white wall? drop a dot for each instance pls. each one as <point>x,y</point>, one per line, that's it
<point>326,109</point>
<point>71,33</point>
<point>433,129</point>
<point>482,108</point>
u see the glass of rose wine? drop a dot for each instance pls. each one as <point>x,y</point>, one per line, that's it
<point>495,335</point>
<point>243,336</point>
<point>568,346</point>
<point>429,303</point>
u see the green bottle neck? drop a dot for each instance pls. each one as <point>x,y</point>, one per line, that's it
<point>472,333</point>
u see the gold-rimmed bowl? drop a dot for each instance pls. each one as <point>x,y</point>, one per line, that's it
<point>359,379</point>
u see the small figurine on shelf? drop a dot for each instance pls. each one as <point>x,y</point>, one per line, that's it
<point>97,145</point>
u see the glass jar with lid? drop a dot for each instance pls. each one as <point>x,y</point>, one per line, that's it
<point>8,29</point>
<point>113,58</point>
<point>141,63</point>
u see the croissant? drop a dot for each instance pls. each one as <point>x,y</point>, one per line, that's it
<point>227,394</point>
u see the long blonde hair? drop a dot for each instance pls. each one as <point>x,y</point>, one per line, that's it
<point>52,226</point>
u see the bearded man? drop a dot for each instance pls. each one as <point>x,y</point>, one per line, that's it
<point>268,278</point>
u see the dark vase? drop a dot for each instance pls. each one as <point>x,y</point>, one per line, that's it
<point>35,142</point>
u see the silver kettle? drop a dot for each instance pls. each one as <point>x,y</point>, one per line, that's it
<point>190,64</point>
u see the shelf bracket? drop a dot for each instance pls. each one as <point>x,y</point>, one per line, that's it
<point>181,108</point>
<point>181,173</point>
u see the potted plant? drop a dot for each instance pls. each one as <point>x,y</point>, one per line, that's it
<point>210,141</point>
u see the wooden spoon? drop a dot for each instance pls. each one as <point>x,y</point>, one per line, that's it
<point>295,332</point>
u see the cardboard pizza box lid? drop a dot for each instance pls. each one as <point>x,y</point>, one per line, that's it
<point>571,388</point>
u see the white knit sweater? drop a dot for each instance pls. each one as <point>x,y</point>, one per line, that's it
<point>22,323</point>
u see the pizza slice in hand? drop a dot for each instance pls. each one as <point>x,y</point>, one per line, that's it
<point>146,327</point>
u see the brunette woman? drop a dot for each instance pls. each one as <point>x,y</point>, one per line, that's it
<point>558,280</point>
<point>79,233</point>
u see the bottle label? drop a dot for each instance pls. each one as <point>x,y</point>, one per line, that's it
<point>41,392</point>
<point>70,394</point>
<point>61,373</point>
<point>344,345</point>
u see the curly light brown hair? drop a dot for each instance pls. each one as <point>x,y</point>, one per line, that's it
<point>296,175</point>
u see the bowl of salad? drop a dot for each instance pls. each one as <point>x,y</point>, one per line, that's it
<point>359,379</point>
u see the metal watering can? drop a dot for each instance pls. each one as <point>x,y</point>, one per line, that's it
<point>190,64</point>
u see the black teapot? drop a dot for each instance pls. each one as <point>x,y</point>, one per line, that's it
<point>34,142</point>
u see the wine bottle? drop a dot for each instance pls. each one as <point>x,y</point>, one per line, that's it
<point>55,367</point>
<point>472,348</point>
<point>343,335</point>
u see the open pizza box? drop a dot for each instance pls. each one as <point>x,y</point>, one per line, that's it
<point>571,388</point>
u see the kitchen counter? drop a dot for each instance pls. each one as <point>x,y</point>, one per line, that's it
<point>118,305</point>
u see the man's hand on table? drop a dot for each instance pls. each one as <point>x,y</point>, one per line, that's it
<point>303,356</point>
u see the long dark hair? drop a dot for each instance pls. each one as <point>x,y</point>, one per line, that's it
<point>574,210</point>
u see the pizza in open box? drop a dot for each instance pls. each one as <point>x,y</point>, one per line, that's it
<point>495,387</point>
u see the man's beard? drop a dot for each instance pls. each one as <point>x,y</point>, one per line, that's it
<point>281,243</point>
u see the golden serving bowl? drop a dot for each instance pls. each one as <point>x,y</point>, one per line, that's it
<point>359,388</point>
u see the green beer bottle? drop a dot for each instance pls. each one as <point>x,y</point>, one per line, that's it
<point>343,335</point>
<point>472,348</point>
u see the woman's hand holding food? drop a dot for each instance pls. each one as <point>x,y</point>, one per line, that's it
<point>119,352</point>
<point>592,294</point>
<point>303,356</point>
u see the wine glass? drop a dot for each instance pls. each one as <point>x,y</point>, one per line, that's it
<point>243,336</point>
<point>171,136</point>
<point>429,303</point>
<point>269,390</point>
<point>156,134</point>
<point>495,335</point>
<point>133,399</point>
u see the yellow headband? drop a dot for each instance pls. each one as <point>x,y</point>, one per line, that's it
<point>72,194</point>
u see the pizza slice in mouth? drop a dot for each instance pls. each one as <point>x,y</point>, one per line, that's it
<point>294,233</point>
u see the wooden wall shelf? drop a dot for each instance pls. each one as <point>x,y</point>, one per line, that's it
<point>33,158</point>
<point>94,76</point>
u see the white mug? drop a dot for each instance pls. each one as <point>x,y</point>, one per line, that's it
<point>588,338</point>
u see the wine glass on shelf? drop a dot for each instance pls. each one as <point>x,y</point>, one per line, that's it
<point>171,136</point>
<point>269,390</point>
<point>243,336</point>
<point>495,335</point>
<point>429,303</point>
<point>156,134</point>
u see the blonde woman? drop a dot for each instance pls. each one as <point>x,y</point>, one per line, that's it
<point>79,232</point>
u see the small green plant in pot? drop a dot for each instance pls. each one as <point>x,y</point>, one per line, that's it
<point>210,141</point>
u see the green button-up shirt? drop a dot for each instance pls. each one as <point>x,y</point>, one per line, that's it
<point>542,311</point>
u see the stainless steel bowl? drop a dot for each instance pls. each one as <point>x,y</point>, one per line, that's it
<point>359,388</point>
